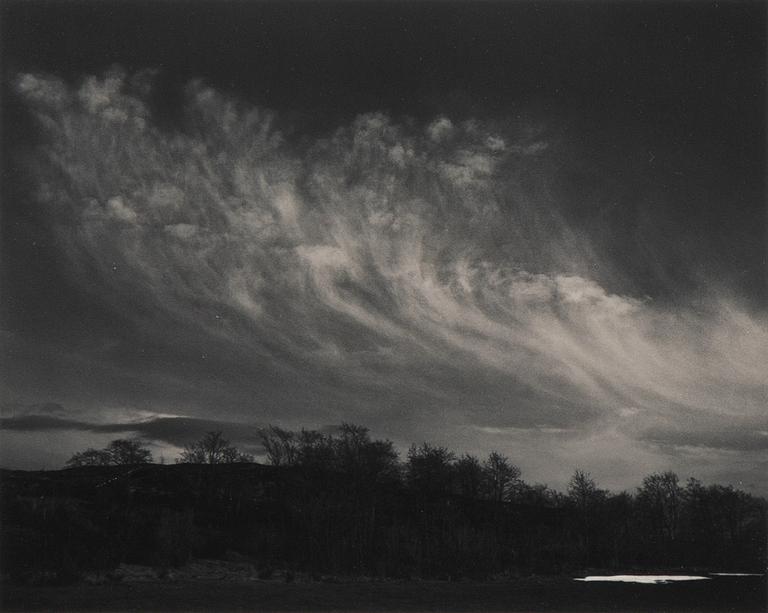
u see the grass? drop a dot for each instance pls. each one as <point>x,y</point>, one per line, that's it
<point>551,594</point>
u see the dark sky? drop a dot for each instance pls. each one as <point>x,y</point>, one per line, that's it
<point>532,227</point>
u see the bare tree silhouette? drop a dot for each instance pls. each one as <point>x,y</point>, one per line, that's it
<point>281,446</point>
<point>501,477</point>
<point>469,476</point>
<point>129,451</point>
<point>90,457</point>
<point>213,448</point>
<point>118,452</point>
<point>429,468</point>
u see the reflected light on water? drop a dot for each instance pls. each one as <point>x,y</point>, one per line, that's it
<point>655,579</point>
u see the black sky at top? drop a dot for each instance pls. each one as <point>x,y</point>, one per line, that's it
<point>694,65</point>
<point>292,52</point>
<point>688,79</point>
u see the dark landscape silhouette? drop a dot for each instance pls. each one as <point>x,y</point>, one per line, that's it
<point>343,505</point>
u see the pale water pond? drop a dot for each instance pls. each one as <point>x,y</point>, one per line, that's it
<point>641,578</point>
<point>660,579</point>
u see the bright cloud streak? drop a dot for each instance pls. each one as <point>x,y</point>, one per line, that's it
<point>394,255</point>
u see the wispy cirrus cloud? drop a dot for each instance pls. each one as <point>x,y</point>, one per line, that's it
<point>425,266</point>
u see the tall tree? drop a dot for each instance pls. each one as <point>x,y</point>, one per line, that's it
<point>582,490</point>
<point>213,448</point>
<point>281,446</point>
<point>501,476</point>
<point>366,460</point>
<point>428,468</point>
<point>90,457</point>
<point>661,496</point>
<point>128,451</point>
<point>315,450</point>
<point>469,476</point>
<point>587,498</point>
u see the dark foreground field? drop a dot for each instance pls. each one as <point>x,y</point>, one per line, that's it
<point>529,594</point>
<point>247,537</point>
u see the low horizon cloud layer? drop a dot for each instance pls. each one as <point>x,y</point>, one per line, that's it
<point>429,281</point>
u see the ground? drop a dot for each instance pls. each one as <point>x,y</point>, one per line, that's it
<point>229,592</point>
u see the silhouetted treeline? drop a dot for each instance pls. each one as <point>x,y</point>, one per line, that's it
<point>342,503</point>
